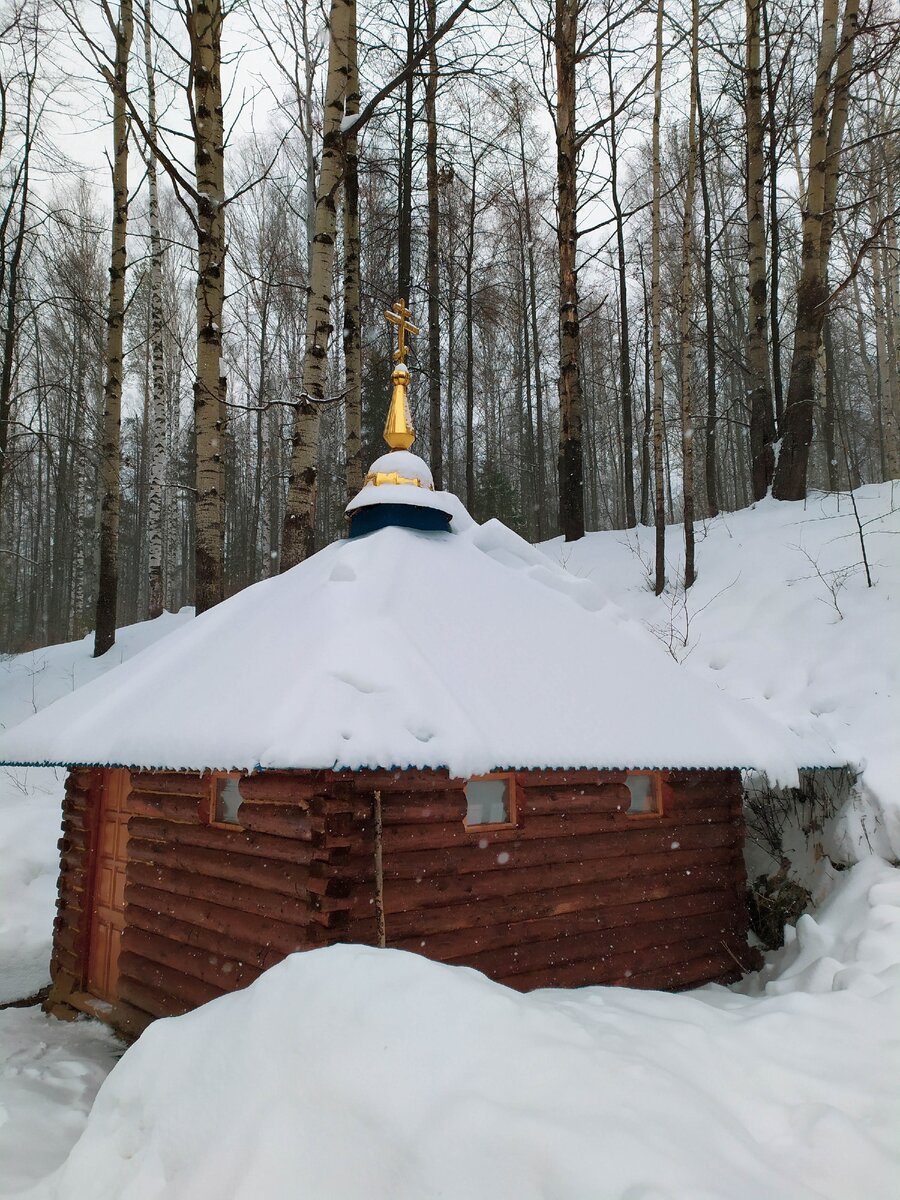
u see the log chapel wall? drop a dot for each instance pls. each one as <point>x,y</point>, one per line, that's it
<point>578,892</point>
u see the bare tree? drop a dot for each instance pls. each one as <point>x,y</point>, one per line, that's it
<point>110,455</point>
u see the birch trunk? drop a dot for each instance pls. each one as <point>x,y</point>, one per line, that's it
<point>205,31</point>
<point>433,259</point>
<point>887,339</point>
<point>298,530</point>
<point>624,341</point>
<point>352,305</point>
<point>110,449</point>
<point>710,462</point>
<point>156,500</point>
<point>535,337</point>
<point>892,279</point>
<point>687,347</point>
<point>656,317</point>
<point>759,392</point>
<point>829,117</point>
<point>571,459</point>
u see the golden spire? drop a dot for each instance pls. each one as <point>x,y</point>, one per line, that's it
<point>398,428</point>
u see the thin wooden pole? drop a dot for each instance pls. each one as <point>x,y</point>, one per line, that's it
<point>379,873</point>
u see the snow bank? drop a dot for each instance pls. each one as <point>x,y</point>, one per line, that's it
<point>30,798</point>
<point>357,1074</point>
<point>781,616</point>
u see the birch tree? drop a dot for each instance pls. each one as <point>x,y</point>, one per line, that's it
<point>829,118</point>
<point>656,315</point>
<point>158,405</point>
<point>298,532</point>
<point>759,392</point>
<point>571,460</point>
<point>110,453</point>
<point>687,349</point>
<point>204,26</point>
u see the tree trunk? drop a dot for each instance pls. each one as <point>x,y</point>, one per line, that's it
<point>535,339</point>
<point>828,415</point>
<point>829,117</point>
<point>571,463</point>
<point>687,346</point>
<point>205,31</point>
<point>352,303</point>
<point>157,467</point>
<point>774,226</point>
<point>298,531</point>
<point>433,258</point>
<point>656,318</point>
<point>625,389</point>
<point>110,449</point>
<point>404,247</point>
<point>759,393</point>
<point>710,463</point>
<point>885,351</point>
<point>470,348</point>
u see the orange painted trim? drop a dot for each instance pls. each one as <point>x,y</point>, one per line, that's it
<point>656,778</point>
<point>512,793</point>
<point>206,806</point>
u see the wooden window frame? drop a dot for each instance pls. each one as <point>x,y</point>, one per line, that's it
<point>512,792</point>
<point>656,780</point>
<point>208,801</point>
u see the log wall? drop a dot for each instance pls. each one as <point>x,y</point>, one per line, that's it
<point>578,893</point>
<point>209,907</point>
<point>71,926</point>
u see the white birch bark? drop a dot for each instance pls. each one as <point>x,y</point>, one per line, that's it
<point>298,530</point>
<point>156,500</point>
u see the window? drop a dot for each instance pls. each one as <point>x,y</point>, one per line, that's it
<point>224,800</point>
<point>646,795</point>
<point>491,802</point>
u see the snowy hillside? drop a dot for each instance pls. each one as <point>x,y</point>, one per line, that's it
<point>30,799</point>
<point>781,615</point>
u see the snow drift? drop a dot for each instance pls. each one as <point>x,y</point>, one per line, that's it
<point>352,1073</point>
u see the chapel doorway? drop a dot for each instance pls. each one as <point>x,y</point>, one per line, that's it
<point>108,909</point>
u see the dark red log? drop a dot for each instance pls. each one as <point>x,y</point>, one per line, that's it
<point>293,911</point>
<point>224,945</point>
<point>170,807</point>
<point>457,943</point>
<point>228,974</point>
<point>244,926</point>
<point>182,988</point>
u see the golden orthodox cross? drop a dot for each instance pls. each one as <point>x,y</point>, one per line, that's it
<point>399,315</point>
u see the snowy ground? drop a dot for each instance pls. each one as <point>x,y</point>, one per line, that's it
<point>409,1079</point>
<point>30,799</point>
<point>359,1074</point>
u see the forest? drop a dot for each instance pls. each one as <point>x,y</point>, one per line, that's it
<point>652,250</point>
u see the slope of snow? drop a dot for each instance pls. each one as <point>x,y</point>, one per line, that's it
<point>461,650</point>
<point>781,615</point>
<point>30,798</point>
<point>359,1074</point>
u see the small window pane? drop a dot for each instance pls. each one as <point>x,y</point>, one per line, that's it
<point>228,801</point>
<point>487,802</point>
<point>643,794</point>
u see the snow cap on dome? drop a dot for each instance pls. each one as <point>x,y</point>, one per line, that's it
<point>399,488</point>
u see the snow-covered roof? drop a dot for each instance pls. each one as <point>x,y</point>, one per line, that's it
<point>464,650</point>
